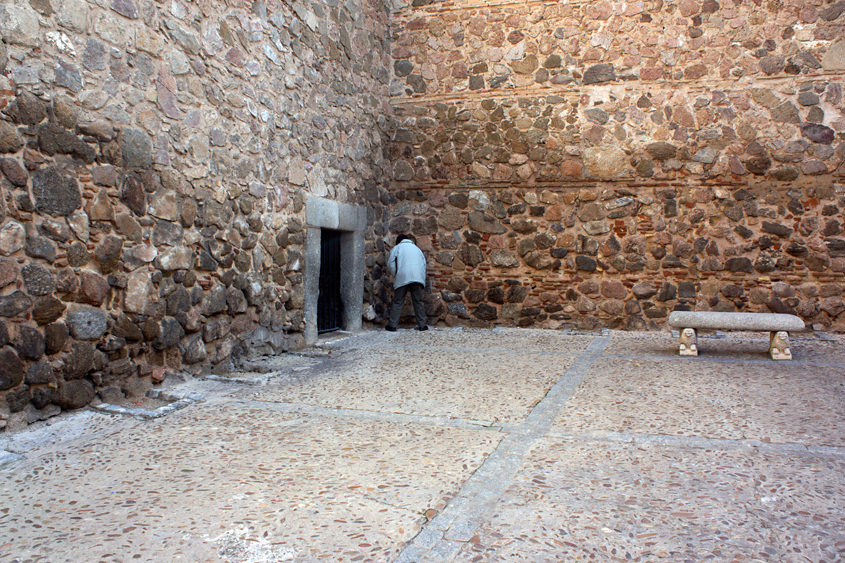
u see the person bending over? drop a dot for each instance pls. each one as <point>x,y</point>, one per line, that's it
<point>407,264</point>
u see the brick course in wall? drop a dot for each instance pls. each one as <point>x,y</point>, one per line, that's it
<point>623,256</point>
<point>604,163</point>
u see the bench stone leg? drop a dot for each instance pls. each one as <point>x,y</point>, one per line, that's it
<point>688,345</point>
<point>779,345</point>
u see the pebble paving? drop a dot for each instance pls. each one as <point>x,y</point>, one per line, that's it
<point>454,445</point>
<point>787,403</point>
<point>504,387</point>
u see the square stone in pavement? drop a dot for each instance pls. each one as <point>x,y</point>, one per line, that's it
<point>576,501</point>
<point>757,401</point>
<point>489,386</point>
<point>237,484</point>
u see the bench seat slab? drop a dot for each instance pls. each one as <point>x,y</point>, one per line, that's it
<point>768,322</point>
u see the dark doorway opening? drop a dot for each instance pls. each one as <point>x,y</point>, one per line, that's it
<point>329,303</point>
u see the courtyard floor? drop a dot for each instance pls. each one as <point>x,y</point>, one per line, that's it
<point>454,445</point>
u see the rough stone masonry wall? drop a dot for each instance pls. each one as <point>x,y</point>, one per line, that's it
<point>155,157</point>
<point>603,163</point>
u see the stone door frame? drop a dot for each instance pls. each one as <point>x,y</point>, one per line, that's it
<point>351,220</point>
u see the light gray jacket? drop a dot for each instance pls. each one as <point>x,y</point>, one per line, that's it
<point>407,264</point>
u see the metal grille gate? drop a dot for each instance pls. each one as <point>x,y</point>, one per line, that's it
<point>329,303</point>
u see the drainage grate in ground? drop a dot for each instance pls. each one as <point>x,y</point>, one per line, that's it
<point>155,404</point>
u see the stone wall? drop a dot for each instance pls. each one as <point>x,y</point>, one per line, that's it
<point>155,158</point>
<point>603,163</point>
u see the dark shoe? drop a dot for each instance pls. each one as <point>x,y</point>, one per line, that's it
<point>389,328</point>
<point>422,328</point>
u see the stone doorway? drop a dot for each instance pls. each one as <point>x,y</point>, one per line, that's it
<point>329,301</point>
<point>342,224</point>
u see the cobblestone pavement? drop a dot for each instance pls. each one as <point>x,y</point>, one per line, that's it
<point>454,445</point>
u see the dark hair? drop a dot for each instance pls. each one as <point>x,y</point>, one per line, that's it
<point>400,238</point>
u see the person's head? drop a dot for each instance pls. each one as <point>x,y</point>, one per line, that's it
<point>400,238</point>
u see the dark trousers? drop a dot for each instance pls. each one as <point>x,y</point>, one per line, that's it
<point>416,291</point>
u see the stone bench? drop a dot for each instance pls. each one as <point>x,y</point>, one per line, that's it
<point>778,326</point>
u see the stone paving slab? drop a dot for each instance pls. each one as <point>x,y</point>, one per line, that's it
<point>213,483</point>
<point>487,385</point>
<point>718,400</point>
<point>576,500</point>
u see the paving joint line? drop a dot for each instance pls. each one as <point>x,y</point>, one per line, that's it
<point>571,354</point>
<point>442,537</point>
<point>706,358</point>
<point>703,442</point>
<point>443,421</point>
<point>174,403</point>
